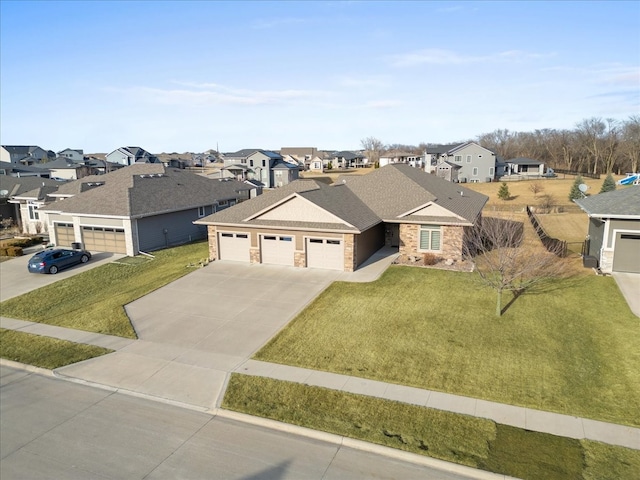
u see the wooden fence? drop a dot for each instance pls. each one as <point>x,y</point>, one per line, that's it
<point>553,245</point>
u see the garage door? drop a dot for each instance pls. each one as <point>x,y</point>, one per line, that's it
<point>277,249</point>
<point>104,239</point>
<point>233,246</point>
<point>627,255</point>
<point>325,253</point>
<point>64,234</point>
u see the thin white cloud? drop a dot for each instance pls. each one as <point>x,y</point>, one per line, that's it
<point>204,94</point>
<point>436,56</point>
<point>381,104</point>
<point>353,81</point>
<point>267,23</point>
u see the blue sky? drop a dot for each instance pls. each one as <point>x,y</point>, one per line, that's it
<point>187,76</point>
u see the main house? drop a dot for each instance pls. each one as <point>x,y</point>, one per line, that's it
<point>314,225</point>
<point>614,229</point>
<point>135,209</point>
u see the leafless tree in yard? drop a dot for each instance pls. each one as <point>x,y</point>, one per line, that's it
<point>536,188</point>
<point>372,147</point>
<point>508,260</point>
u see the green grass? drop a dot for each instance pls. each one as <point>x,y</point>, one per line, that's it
<point>45,352</point>
<point>475,442</point>
<point>572,348</point>
<point>94,300</point>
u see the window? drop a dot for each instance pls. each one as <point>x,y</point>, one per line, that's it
<point>251,162</point>
<point>264,163</point>
<point>222,203</point>
<point>33,211</point>
<point>491,171</point>
<point>430,238</point>
<point>457,158</point>
<point>468,158</point>
<point>200,212</point>
<point>475,171</point>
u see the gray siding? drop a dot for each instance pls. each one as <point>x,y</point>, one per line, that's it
<point>481,158</point>
<point>596,234</point>
<point>633,225</point>
<point>369,242</point>
<point>179,229</point>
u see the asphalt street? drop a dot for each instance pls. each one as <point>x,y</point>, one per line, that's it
<point>57,429</point>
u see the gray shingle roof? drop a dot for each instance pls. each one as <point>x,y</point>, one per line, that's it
<point>143,190</point>
<point>623,203</point>
<point>20,185</point>
<point>524,161</point>
<point>364,201</point>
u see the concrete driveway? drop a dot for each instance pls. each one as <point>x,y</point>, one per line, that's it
<point>196,330</point>
<point>629,285</point>
<point>16,280</point>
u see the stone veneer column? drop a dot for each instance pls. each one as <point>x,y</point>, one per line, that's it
<point>409,238</point>
<point>452,241</point>
<point>213,243</point>
<point>254,255</point>
<point>299,259</point>
<point>349,253</point>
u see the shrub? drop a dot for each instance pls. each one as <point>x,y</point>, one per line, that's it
<point>13,251</point>
<point>3,252</point>
<point>536,188</point>
<point>546,203</point>
<point>608,185</point>
<point>430,259</point>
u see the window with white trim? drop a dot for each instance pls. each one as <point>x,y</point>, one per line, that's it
<point>430,237</point>
<point>475,171</point>
<point>468,158</point>
<point>200,212</point>
<point>33,210</point>
<point>491,171</point>
<point>457,158</point>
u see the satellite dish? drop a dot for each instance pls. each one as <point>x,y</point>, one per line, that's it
<point>4,193</point>
<point>583,187</point>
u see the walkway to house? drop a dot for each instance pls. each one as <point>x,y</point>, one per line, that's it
<point>192,371</point>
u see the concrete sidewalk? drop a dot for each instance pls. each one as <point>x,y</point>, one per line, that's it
<point>194,385</point>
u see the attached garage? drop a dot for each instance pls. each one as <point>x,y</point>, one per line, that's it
<point>233,246</point>
<point>277,249</point>
<point>64,234</point>
<point>325,253</point>
<point>104,239</point>
<point>627,253</point>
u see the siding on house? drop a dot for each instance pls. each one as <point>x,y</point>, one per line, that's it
<point>151,230</point>
<point>471,157</point>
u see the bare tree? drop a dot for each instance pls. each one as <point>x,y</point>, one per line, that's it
<point>372,146</point>
<point>631,143</point>
<point>508,260</point>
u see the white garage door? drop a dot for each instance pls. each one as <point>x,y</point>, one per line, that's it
<point>627,255</point>
<point>277,249</point>
<point>325,253</point>
<point>233,246</point>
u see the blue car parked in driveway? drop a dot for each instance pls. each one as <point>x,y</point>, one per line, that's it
<point>55,259</point>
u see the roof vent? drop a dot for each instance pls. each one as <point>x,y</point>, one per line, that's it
<point>461,193</point>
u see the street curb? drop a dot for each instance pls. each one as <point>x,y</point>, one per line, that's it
<point>348,442</point>
<point>29,368</point>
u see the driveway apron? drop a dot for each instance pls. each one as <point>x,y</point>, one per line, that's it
<point>196,330</point>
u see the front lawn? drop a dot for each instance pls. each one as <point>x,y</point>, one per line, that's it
<point>572,348</point>
<point>94,300</point>
<point>45,352</point>
<point>476,442</point>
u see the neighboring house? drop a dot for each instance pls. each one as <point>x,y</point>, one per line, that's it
<point>19,170</point>
<point>345,159</point>
<point>524,167</point>
<point>130,155</point>
<point>139,208</point>
<point>310,224</point>
<point>614,229</point>
<point>316,164</point>
<point>392,157</point>
<point>301,153</point>
<point>266,166</point>
<point>75,155</point>
<point>20,199</point>
<point>64,169</point>
<point>25,154</point>
<point>436,154</point>
<point>477,164</point>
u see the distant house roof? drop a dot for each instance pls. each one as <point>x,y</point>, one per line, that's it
<point>623,203</point>
<point>244,153</point>
<point>466,144</point>
<point>348,155</point>
<point>449,164</point>
<point>524,161</point>
<point>16,186</point>
<point>78,150</point>
<point>282,165</point>
<point>440,149</point>
<point>142,190</point>
<point>15,169</point>
<point>59,164</point>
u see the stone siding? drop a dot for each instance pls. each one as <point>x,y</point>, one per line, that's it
<point>254,255</point>
<point>213,243</point>
<point>349,253</point>
<point>299,259</point>
<point>451,242</point>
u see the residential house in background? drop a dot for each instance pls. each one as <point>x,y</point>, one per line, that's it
<point>130,155</point>
<point>20,199</point>
<point>524,167</point>
<point>265,166</point>
<point>19,170</point>
<point>345,159</point>
<point>447,170</point>
<point>64,169</point>
<point>397,156</point>
<point>75,155</point>
<point>142,207</point>
<point>313,225</point>
<point>613,239</point>
<point>477,164</point>
<point>435,154</point>
<point>25,154</point>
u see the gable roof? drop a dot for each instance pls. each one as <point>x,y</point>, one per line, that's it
<point>16,186</point>
<point>466,144</point>
<point>393,190</point>
<point>142,190</point>
<point>623,203</point>
<point>524,161</point>
<point>347,155</point>
<point>59,164</point>
<point>440,149</point>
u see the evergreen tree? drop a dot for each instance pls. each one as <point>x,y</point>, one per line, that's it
<point>575,192</point>
<point>609,184</point>
<point>503,193</point>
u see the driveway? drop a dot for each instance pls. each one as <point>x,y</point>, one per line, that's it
<point>629,285</point>
<point>16,280</point>
<point>197,330</point>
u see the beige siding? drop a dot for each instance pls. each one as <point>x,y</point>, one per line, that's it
<point>298,209</point>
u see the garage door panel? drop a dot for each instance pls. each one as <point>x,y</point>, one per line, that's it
<point>327,253</point>
<point>233,246</point>
<point>277,249</point>
<point>104,239</point>
<point>627,253</point>
<point>64,234</point>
